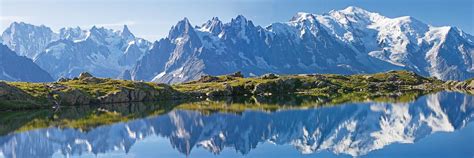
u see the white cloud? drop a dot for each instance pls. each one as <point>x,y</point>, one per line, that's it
<point>12,18</point>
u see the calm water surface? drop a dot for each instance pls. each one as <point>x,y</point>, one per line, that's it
<point>435,125</point>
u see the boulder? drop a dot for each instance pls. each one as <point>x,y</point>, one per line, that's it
<point>56,87</point>
<point>84,75</point>
<point>73,97</point>
<point>218,93</point>
<point>93,80</point>
<point>237,74</point>
<point>63,79</point>
<point>269,76</point>
<point>208,78</point>
<point>124,95</point>
<point>230,90</point>
<point>321,84</point>
<point>279,86</point>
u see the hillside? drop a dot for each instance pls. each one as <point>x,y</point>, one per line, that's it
<point>89,90</point>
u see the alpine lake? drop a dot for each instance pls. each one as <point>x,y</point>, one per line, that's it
<point>431,125</point>
<point>344,116</point>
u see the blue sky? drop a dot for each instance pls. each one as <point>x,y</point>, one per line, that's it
<point>152,19</point>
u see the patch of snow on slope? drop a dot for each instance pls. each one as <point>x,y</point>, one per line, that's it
<point>157,77</point>
<point>57,50</point>
<point>8,76</point>
<point>435,36</point>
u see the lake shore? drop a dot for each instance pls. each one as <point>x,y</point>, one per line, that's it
<point>89,90</point>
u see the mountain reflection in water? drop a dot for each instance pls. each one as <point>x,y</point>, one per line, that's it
<point>352,129</point>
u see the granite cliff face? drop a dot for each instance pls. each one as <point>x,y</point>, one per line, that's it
<point>26,39</point>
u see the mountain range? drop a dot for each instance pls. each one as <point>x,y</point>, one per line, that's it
<point>347,41</point>
<point>100,51</point>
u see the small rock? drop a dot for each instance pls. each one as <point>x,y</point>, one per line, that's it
<point>63,79</point>
<point>392,77</point>
<point>237,74</point>
<point>84,75</point>
<point>92,80</point>
<point>269,76</point>
<point>321,84</point>
<point>279,86</point>
<point>56,87</point>
<point>207,78</point>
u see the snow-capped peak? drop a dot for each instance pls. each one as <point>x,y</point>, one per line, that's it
<point>213,26</point>
<point>240,22</point>
<point>93,28</point>
<point>305,23</point>
<point>19,25</point>
<point>27,39</point>
<point>302,16</point>
<point>355,10</point>
<point>126,33</point>
<point>183,23</point>
<point>181,28</point>
<point>72,33</point>
<point>240,18</point>
<point>355,15</point>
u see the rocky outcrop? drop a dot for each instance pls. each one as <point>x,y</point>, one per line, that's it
<point>141,92</point>
<point>124,95</point>
<point>229,90</point>
<point>279,86</point>
<point>8,92</point>
<point>269,76</point>
<point>74,97</point>
<point>83,75</point>
<point>86,89</point>
<point>13,98</point>
<point>237,74</point>
<point>207,78</point>
<point>63,79</point>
